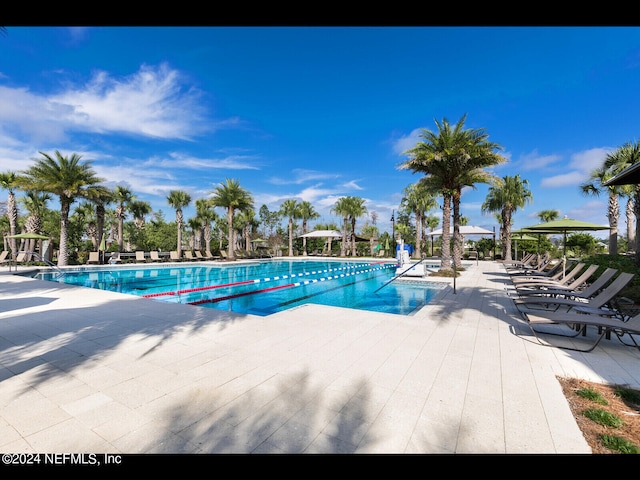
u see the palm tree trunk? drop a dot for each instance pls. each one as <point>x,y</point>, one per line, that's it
<point>613,212</point>
<point>63,255</point>
<point>631,231</point>
<point>446,233</point>
<point>457,237</point>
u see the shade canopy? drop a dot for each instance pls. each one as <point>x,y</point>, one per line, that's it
<point>465,230</point>
<point>565,225</point>
<point>259,240</point>
<point>629,176</point>
<point>29,236</point>
<point>322,234</point>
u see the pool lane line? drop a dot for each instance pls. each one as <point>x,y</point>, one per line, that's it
<point>296,284</point>
<point>259,280</point>
<point>194,276</point>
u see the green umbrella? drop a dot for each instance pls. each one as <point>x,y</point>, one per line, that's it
<point>563,226</point>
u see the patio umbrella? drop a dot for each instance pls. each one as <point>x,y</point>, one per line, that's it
<point>515,236</point>
<point>565,225</point>
<point>322,234</point>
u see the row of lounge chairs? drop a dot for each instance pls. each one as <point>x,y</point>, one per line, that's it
<point>565,300</point>
<point>154,257</point>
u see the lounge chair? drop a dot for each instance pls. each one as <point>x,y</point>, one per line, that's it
<point>528,264</point>
<point>526,260</point>
<point>94,258</point>
<point>140,258</point>
<point>188,255</point>
<point>209,256</point>
<point>533,304</point>
<point>555,273</point>
<point>4,255</point>
<point>547,266</point>
<point>175,256</point>
<point>606,321</point>
<point>115,258</point>
<point>568,283</point>
<point>153,255</point>
<point>562,277</point>
<point>199,255</point>
<point>594,288</point>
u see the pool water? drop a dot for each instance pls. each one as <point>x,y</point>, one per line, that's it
<point>263,288</point>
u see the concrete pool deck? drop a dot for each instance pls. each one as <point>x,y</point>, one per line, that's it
<point>90,371</point>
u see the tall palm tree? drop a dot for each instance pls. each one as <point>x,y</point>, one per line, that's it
<point>624,157</point>
<point>511,194</point>
<point>9,182</point>
<point>101,197</point>
<point>357,209</point>
<point>454,157</point>
<point>139,209</point>
<point>418,200</point>
<point>67,177</point>
<point>290,209</point>
<point>206,215</point>
<point>613,164</point>
<point>341,208</point>
<point>122,196</point>
<point>232,196</point>
<point>36,205</point>
<point>307,212</point>
<point>178,199</point>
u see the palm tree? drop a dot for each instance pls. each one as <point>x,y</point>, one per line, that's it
<point>624,157</point>
<point>418,200</point>
<point>548,215</point>
<point>123,196</point>
<point>232,196</point>
<point>356,209</point>
<point>69,179</point>
<point>341,208</point>
<point>36,205</point>
<point>178,199</point>
<point>307,212</point>
<point>139,209</point>
<point>101,197</point>
<point>452,158</point>
<point>507,197</point>
<point>290,209</point>
<point>205,214</point>
<point>9,182</point>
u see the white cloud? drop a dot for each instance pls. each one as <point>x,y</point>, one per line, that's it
<point>150,102</point>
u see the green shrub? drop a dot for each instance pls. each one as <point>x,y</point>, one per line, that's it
<point>603,417</point>
<point>592,395</point>
<point>618,444</point>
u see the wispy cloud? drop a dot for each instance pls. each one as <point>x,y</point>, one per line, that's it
<point>579,168</point>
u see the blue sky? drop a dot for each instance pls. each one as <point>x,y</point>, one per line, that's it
<point>316,113</point>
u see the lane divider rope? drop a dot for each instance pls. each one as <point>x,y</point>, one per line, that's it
<point>260,280</point>
<point>279,287</point>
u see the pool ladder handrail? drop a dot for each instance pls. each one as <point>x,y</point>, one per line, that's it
<point>398,276</point>
<point>47,262</point>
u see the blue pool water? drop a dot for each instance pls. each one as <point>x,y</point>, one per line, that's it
<point>263,288</point>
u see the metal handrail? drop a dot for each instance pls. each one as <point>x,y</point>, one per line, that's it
<point>398,276</point>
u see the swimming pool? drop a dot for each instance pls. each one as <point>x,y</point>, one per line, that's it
<point>262,287</point>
